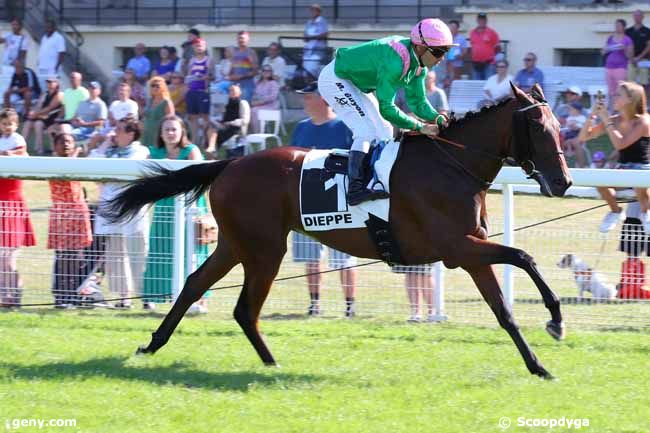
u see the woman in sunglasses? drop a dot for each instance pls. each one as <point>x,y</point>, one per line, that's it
<point>383,66</point>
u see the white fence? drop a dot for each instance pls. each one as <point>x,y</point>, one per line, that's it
<point>380,292</point>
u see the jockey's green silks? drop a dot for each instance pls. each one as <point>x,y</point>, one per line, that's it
<point>384,66</point>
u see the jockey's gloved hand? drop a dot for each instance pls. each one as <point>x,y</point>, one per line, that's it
<point>442,120</point>
<point>430,129</point>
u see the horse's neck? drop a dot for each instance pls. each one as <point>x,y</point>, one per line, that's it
<point>483,147</point>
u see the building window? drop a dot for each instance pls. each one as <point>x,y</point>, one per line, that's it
<point>580,57</point>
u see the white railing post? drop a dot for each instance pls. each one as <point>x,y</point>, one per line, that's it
<point>439,276</point>
<point>178,276</point>
<point>508,240</point>
<point>190,237</point>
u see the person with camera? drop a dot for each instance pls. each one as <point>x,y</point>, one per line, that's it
<point>629,132</point>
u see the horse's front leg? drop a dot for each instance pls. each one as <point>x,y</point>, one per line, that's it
<point>488,285</point>
<point>476,252</point>
<point>555,326</point>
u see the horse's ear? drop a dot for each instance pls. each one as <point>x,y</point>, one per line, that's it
<point>537,91</point>
<point>516,91</point>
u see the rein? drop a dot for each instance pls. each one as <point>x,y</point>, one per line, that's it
<point>463,147</point>
<point>524,160</point>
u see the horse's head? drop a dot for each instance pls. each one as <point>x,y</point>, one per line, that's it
<point>536,142</point>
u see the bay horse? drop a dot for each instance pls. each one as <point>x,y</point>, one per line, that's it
<point>437,212</point>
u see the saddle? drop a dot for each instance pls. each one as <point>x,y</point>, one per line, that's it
<point>337,163</point>
<point>379,230</point>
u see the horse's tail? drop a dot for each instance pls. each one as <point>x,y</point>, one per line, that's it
<point>160,182</point>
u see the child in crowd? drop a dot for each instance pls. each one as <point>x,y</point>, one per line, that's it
<point>69,230</point>
<point>598,160</point>
<point>15,224</point>
<point>574,123</point>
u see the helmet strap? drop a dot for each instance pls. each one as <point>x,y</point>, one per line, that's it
<point>428,58</point>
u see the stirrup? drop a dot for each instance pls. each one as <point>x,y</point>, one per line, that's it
<point>358,197</point>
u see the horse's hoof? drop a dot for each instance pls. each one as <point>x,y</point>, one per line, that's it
<point>547,376</point>
<point>143,351</point>
<point>270,364</point>
<point>540,371</point>
<point>556,330</point>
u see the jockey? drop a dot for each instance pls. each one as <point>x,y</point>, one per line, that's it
<point>383,66</point>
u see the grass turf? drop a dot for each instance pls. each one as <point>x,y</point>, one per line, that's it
<point>335,376</point>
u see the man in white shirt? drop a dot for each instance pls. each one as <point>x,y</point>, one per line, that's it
<point>16,44</point>
<point>123,106</point>
<point>52,51</point>
<point>277,62</point>
<point>119,109</point>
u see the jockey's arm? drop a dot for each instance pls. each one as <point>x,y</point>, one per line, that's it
<point>416,98</point>
<point>386,97</point>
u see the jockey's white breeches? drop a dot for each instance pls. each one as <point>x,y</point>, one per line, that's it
<point>358,110</point>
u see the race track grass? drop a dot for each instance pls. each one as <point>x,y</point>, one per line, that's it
<point>335,376</point>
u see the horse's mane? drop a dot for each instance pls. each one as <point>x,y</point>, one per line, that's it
<point>470,115</point>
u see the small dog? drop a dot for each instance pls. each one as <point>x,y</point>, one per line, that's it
<point>586,279</point>
<point>90,294</point>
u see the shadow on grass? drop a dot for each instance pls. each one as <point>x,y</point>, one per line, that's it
<point>175,374</point>
<point>284,316</point>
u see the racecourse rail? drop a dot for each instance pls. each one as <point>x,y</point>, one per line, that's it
<point>90,169</point>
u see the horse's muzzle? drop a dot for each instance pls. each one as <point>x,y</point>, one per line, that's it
<point>561,185</point>
<point>556,188</point>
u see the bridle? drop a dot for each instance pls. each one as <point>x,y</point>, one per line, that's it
<point>524,149</point>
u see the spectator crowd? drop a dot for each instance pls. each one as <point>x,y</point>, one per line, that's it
<point>198,86</point>
<point>194,105</point>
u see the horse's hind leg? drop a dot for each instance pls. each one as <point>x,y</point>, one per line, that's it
<point>259,271</point>
<point>488,285</point>
<point>213,269</point>
<point>476,252</point>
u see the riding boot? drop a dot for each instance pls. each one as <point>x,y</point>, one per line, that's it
<point>357,191</point>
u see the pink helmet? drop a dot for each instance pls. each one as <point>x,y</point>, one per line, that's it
<point>432,32</point>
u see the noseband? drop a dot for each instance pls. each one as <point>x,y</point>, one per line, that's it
<point>524,149</point>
